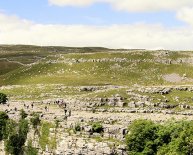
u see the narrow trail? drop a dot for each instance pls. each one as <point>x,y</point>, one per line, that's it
<point>12,61</point>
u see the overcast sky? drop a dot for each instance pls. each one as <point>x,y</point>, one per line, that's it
<point>149,24</point>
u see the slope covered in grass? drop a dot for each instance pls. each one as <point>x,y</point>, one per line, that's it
<point>93,66</point>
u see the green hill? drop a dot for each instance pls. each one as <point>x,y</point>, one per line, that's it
<point>47,71</point>
<point>91,66</point>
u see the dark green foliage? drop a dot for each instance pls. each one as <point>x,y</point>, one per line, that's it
<point>14,144</point>
<point>77,127</point>
<point>16,140</point>
<point>23,127</point>
<point>180,137</point>
<point>23,114</point>
<point>15,134</point>
<point>35,120</point>
<point>3,121</point>
<point>97,127</point>
<point>3,98</point>
<point>148,138</point>
<point>10,128</point>
<point>141,139</point>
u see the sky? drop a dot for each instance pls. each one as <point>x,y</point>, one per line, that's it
<point>146,24</point>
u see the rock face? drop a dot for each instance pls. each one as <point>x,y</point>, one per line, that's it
<point>88,88</point>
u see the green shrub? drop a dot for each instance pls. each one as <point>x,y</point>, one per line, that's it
<point>142,136</point>
<point>23,114</point>
<point>35,120</point>
<point>10,128</point>
<point>45,138</point>
<point>97,127</point>
<point>77,127</point>
<point>30,150</point>
<point>23,128</point>
<point>3,98</point>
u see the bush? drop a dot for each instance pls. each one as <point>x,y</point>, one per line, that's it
<point>3,121</point>
<point>142,136</point>
<point>23,114</point>
<point>30,150</point>
<point>23,128</point>
<point>35,120</point>
<point>97,127</point>
<point>10,128</point>
<point>77,127</point>
<point>3,98</point>
<point>45,138</point>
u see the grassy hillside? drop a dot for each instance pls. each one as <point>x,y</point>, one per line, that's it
<point>21,65</point>
<point>104,68</point>
<point>45,72</point>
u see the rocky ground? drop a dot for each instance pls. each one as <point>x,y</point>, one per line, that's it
<point>109,87</point>
<point>115,113</point>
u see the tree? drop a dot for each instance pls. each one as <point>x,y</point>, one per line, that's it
<point>141,137</point>
<point>3,98</point>
<point>148,138</point>
<point>15,142</point>
<point>178,138</point>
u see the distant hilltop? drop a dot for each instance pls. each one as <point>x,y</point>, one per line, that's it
<point>59,48</point>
